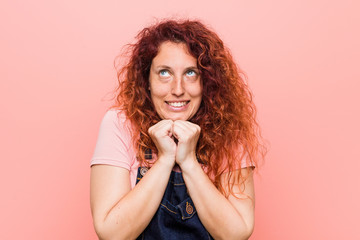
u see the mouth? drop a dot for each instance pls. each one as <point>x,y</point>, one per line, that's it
<point>177,104</point>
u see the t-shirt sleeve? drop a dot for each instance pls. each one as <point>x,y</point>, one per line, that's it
<point>114,141</point>
<point>244,159</point>
<point>241,160</point>
<point>245,162</point>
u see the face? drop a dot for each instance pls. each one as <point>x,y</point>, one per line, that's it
<point>175,84</point>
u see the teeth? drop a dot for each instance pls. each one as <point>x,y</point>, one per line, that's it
<point>177,104</point>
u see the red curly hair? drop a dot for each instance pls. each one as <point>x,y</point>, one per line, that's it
<point>226,114</point>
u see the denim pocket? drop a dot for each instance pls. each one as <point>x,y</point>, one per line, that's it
<point>186,208</point>
<point>169,208</point>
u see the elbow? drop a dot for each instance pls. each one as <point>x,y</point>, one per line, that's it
<point>246,230</point>
<point>245,234</point>
<point>100,231</point>
<point>106,232</point>
<point>242,233</point>
<point>106,235</point>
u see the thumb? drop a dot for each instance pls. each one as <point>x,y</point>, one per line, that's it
<point>171,131</point>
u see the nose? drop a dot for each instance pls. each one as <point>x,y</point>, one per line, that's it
<point>177,87</point>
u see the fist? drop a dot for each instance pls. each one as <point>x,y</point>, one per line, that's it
<point>162,136</point>
<point>187,134</point>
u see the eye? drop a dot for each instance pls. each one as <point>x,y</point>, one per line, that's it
<point>164,73</point>
<point>191,73</point>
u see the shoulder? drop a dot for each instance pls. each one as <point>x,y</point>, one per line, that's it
<point>116,119</point>
<point>115,116</point>
<point>114,143</point>
<point>115,130</point>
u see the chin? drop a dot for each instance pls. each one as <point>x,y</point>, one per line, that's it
<point>174,118</point>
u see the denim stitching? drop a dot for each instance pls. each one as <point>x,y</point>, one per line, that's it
<point>177,184</point>
<point>183,218</point>
<point>168,208</point>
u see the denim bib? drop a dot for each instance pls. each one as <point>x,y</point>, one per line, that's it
<point>176,217</point>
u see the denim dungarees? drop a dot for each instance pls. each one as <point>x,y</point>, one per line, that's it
<point>176,217</point>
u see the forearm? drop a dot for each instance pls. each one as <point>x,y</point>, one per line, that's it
<point>216,213</point>
<point>133,212</point>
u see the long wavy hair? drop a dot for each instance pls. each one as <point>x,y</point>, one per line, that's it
<point>227,115</point>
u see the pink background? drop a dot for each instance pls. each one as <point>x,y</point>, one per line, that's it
<point>56,70</point>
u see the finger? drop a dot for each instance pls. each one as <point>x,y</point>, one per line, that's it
<point>188,126</point>
<point>182,132</point>
<point>160,125</point>
<point>155,126</point>
<point>165,129</point>
<point>192,125</point>
<point>162,129</point>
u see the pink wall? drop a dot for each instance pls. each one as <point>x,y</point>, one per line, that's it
<point>302,60</point>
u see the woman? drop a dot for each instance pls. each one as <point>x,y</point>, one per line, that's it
<point>175,155</point>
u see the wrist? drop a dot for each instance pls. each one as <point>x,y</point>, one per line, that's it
<point>188,164</point>
<point>166,161</point>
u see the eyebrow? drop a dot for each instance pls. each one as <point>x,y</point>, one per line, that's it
<point>163,66</point>
<point>187,68</point>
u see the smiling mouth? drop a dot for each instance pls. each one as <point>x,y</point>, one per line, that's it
<point>177,104</point>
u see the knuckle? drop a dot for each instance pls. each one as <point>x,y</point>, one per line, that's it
<point>186,138</point>
<point>156,134</point>
<point>150,130</point>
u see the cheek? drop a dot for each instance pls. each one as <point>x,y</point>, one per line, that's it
<point>195,91</point>
<point>157,94</point>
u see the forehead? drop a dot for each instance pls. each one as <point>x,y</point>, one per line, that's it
<point>174,54</point>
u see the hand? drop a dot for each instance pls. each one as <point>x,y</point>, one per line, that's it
<point>187,134</point>
<point>162,136</point>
